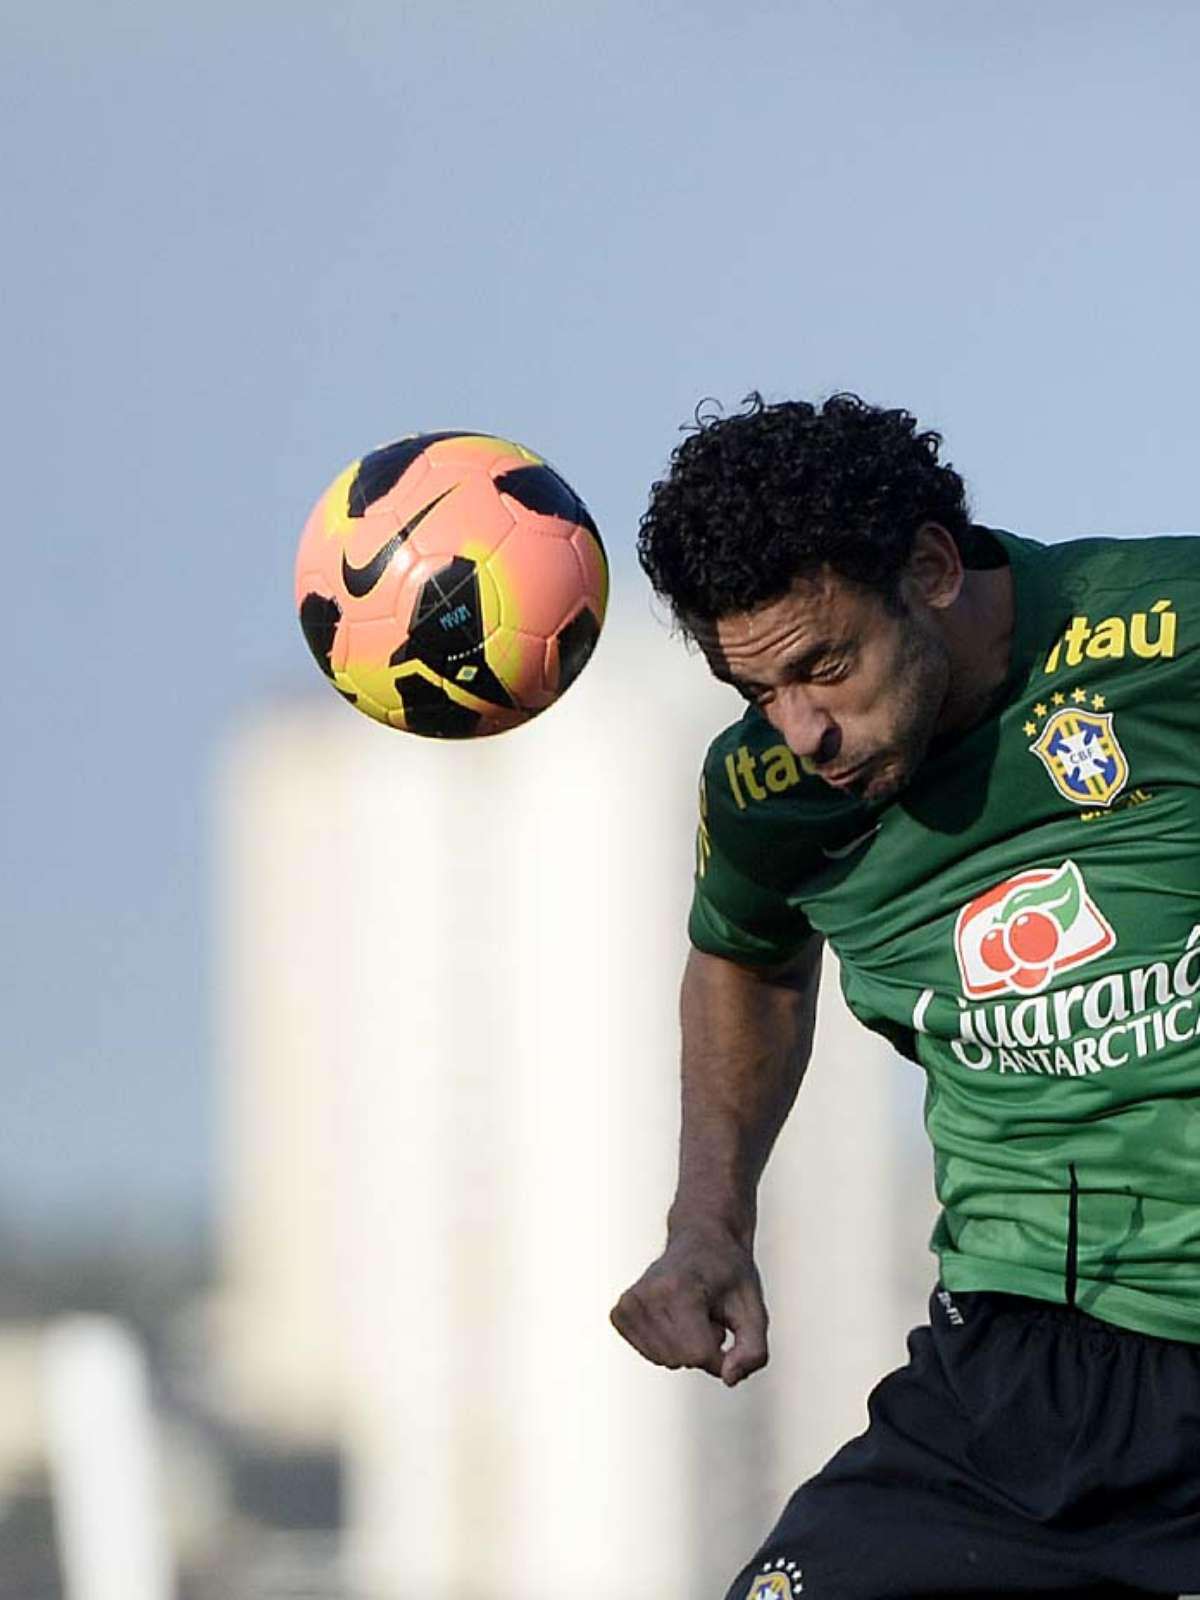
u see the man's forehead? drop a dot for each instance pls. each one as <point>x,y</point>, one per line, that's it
<point>806,610</point>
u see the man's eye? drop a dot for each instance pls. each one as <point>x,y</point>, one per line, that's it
<point>830,671</point>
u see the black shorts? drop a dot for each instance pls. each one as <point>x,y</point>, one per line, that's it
<point>1026,1449</point>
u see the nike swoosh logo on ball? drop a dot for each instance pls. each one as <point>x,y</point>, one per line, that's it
<point>360,581</point>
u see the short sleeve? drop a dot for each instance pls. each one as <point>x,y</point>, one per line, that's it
<point>732,914</point>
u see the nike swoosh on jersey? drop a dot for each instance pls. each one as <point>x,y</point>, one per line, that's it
<point>849,849</point>
<point>360,581</point>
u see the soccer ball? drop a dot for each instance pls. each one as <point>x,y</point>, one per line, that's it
<point>451,584</point>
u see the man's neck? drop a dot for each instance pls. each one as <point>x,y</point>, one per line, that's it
<point>979,633</point>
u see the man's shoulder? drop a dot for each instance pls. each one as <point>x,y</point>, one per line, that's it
<point>764,823</point>
<point>749,761</point>
<point>751,777</point>
<point>1120,562</point>
<point>752,732</point>
<point>1112,599</point>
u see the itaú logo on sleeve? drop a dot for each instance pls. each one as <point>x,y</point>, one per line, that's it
<point>1018,936</point>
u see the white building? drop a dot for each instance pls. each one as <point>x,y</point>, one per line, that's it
<point>450,1120</point>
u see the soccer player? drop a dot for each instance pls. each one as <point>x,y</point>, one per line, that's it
<point>971,762</point>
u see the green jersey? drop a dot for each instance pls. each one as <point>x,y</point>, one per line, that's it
<point>1024,922</point>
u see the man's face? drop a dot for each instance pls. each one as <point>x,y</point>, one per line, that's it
<point>853,688</point>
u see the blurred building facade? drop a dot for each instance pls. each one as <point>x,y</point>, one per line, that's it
<point>449,1049</point>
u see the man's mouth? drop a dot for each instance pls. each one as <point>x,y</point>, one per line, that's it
<point>844,778</point>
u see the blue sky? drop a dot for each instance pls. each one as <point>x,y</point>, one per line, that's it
<point>246,243</point>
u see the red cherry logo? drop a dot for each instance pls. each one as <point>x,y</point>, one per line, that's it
<point>995,952</point>
<point>1033,938</point>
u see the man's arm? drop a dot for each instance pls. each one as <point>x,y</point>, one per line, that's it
<point>747,1035</point>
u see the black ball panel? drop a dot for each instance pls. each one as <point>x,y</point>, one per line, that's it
<point>430,711</point>
<point>383,468</point>
<point>319,617</point>
<point>575,641</point>
<point>446,634</point>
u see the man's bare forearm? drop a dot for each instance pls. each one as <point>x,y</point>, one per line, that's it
<point>747,1036</point>
<point>746,1041</point>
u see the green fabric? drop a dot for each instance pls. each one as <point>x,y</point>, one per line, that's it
<point>1024,926</point>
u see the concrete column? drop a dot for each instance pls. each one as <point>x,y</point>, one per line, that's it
<point>280,888</point>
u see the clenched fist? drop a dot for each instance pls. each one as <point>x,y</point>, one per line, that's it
<point>702,1288</point>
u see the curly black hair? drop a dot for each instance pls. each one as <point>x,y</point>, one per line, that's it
<point>754,500</point>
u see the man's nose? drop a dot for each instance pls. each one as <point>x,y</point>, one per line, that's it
<point>806,728</point>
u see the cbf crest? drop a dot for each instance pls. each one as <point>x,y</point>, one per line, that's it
<point>782,1580</point>
<point>1080,750</point>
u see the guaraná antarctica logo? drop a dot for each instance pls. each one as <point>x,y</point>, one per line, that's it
<point>782,1580</point>
<point>1012,943</point>
<point>1080,750</point>
<point>1023,932</point>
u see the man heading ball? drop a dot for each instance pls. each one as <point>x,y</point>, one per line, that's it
<point>971,763</point>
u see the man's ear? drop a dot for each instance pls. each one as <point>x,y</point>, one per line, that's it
<point>934,568</point>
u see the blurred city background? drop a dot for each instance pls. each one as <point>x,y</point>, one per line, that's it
<point>339,1067</point>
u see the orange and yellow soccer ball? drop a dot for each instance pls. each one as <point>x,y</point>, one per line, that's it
<point>451,584</point>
